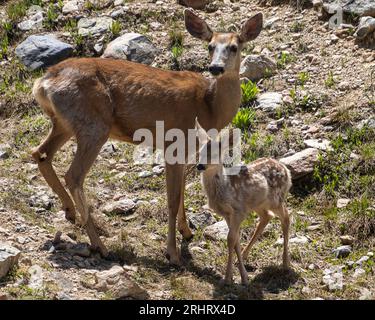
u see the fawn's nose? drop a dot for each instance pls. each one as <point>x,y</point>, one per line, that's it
<point>201,167</point>
<point>216,69</point>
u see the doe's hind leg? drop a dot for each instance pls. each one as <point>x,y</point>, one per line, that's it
<point>43,155</point>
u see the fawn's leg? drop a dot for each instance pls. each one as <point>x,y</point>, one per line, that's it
<point>264,218</point>
<point>43,155</point>
<point>88,148</point>
<point>241,266</point>
<point>282,213</point>
<point>232,240</point>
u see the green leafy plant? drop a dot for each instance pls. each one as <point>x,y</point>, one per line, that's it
<point>51,17</point>
<point>284,59</point>
<point>303,77</point>
<point>244,118</point>
<point>249,92</point>
<point>330,81</point>
<point>115,28</point>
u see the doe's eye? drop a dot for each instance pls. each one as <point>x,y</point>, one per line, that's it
<point>211,47</point>
<point>233,48</point>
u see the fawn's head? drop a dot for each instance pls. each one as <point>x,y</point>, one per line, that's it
<point>212,149</point>
<point>224,48</point>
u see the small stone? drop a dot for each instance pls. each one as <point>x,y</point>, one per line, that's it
<point>94,26</point>
<point>70,7</point>
<point>200,220</point>
<point>256,67</point>
<point>145,174</point>
<point>36,277</point>
<point>124,206</point>
<point>269,101</point>
<point>321,144</point>
<point>342,203</point>
<point>301,163</point>
<point>217,231</point>
<point>346,240</point>
<point>370,254</point>
<point>195,4</point>
<point>158,169</point>
<point>365,294</point>
<point>311,266</point>
<point>359,272</point>
<point>342,251</point>
<point>362,260</point>
<point>79,249</point>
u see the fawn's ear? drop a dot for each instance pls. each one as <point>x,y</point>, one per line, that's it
<point>251,28</point>
<point>196,26</point>
<point>201,133</point>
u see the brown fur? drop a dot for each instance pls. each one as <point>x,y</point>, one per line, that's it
<point>94,99</point>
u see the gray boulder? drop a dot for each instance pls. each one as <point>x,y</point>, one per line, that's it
<point>133,47</point>
<point>301,163</point>
<point>256,67</point>
<point>33,22</point>
<point>8,258</point>
<point>217,231</point>
<point>94,26</point>
<point>358,7</point>
<point>365,28</point>
<point>41,51</point>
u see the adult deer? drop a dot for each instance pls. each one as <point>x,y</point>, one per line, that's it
<point>95,99</point>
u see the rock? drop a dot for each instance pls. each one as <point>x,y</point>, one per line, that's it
<point>200,220</point>
<point>342,251</point>
<point>8,258</point>
<point>70,7</point>
<point>359,272</point>
<point>195,4</point>
<point>294,240</point>
<point>342,203</point>
<point>100,4</point>
<point>272,127</point>
<point>41,200</point>
<point>157,170</point>
<point>333,279</point>
<point>117,12</point>
<point>145,174</point>
<point>370,123</point>
<point>133,47</point>
<point>95,26</point>
<point>98,47</point>
<point>370,254</point>
<point>321,144</point>
<point>362,260</point>
<point>355,8</point>
<point>347,240</point>
<point>270,101</point>
<point>118,284</point>
<point>4,151</point>
<point>270,22</point>
<point>365,28</point>
<point>36,277</point>
<point>41,51</point>
<point>33,22</point>
<point>79,249</point>
<point>301,163</point>
<point>108,149</point>
<point>256,67</point>
<point>124,206</point>
<point>217,231</point>
<point>365,294</point>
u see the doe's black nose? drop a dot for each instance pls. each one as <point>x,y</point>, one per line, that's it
<point>216,70</point>
<point>201,167</point>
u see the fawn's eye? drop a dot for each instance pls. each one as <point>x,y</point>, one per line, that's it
<point>233,48</point>
<point>211,47</point>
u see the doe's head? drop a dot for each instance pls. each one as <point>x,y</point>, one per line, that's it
<point>224,48</point>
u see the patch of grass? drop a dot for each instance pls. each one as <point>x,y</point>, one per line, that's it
<point>303,77</point>
<point>305,101</point>
<point>244,118</point>
<point>249,92</point>
<point>330,81</point>
<point>115,28</point>
<point>50,22</point>
<point>297,26</point>
<point>284,59</point>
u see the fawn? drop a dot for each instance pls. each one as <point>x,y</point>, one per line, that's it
<point>261,186</point>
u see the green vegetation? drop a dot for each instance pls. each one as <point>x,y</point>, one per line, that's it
<point>115,28</point>
<point>297,26</point>
<point>249,92</point>
<point>244,118</point>
<point>330,81</point>
<point>284,59</point>
<point>303,77</point>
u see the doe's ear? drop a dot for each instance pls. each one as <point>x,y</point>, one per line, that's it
<point>196,26</point>
<point>201,133</point>
<point>251,28</point>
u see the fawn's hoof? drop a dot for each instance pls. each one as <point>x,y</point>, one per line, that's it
<point>174,259</point>
<point>70,215</point>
